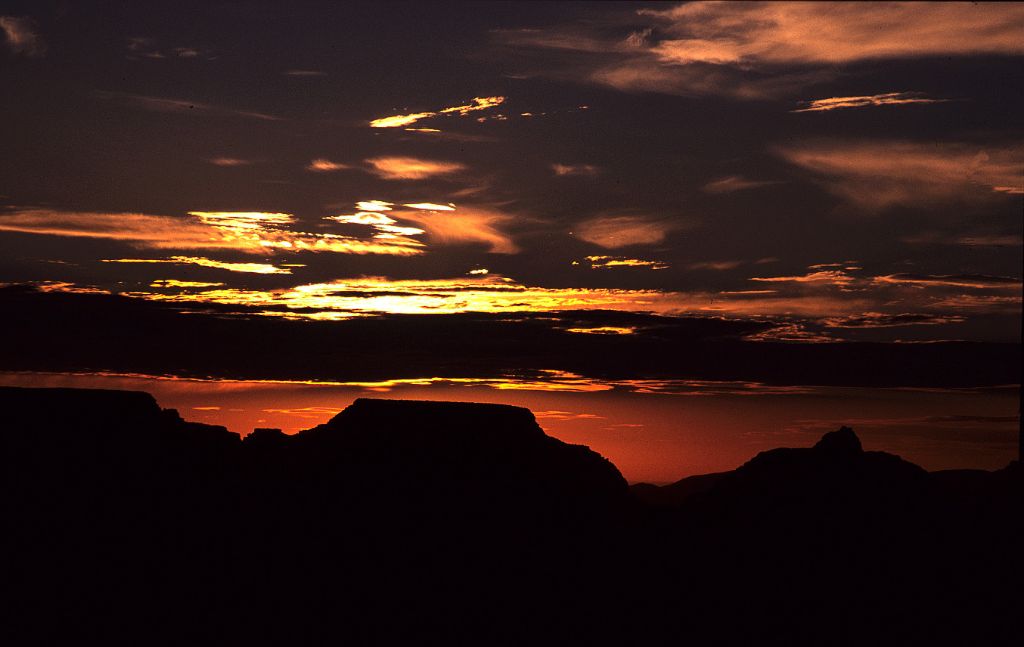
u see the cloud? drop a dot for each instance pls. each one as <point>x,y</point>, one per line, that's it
<point>230,161</point>
<point>883,320</point>
<point>398,121</point>
<point>966,240</point>
<point>763,50</point>
<point>247,232</point>
<point>888,99</point>
<point>462,224</point>
<point>562,170</point>
<point>718,266</point>
<point>159,104</point>
<point>21,36</point>
<point>834,32</point>
<point>877,174</point>
<point>733,183</point>
<point>321,165</point>
<point>148,48</point>
<point>978,281</point>
<point>175,283</point>
<point>305,73</point>
<point>602,262</point>
<point>411,168</point>
<point>249,268</point>
<point>612,232</point>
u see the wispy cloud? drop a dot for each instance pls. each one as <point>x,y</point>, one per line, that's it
<point>883,320</point>
<point>877,174</point>
<point>887,99</point>
<point>718,266</point>
<point>160,104</point>
<point>143,47</point>
<point>305,73</point>
<point>613,232</point>
<point>966,240</point>
<point>322,165</point>
<point>399,121</point>
<point>247,232</point>
<point>733,183</point>
<point>833,32</point>
<point>575,169</point>
<point>603,262</point>
<point>248,268</point>
<point>755,50</point>
<point>465,224</point>
<point>21,36</point>
<point>977,281</point>
<point>411,168</point>
<point>230,161</point>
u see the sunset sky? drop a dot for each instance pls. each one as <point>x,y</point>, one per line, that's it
<point>660,226</point>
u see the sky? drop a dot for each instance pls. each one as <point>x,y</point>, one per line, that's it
<point>649,212</point>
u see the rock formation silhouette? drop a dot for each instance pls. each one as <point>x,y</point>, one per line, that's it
<point>449,523</point>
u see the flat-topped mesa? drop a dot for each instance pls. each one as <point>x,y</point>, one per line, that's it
<point>468,446</point>
<point>418,421</point>
<point>82,407</point>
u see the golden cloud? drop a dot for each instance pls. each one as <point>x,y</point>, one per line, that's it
<point>398,121</point>
<point>887,99</point>
<point>321,165</point>
<point>612,232</point>
<point>251,268</point>
<point>465,225</point>
<point>411,168</point>
<point>601,262</point>
<point>247,232</point>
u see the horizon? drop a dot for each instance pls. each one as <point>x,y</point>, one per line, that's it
<point>680,234</point>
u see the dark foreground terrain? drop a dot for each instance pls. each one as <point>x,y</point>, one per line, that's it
<point>440,523</point>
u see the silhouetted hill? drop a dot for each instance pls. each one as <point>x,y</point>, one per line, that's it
<point>450,523</point>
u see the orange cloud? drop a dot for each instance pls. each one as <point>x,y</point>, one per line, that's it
<point>398,121</point>
<point>321,165</point>
<point>883,173</point>
<point>600,262</point>
<point>230,161</point>
<point>247,232</point>
<point>454,225</point>
<point>612,232</point>
<point>834,32</point>
<point>758,50</point>
<point>411,168</point>
<point>251,268</point>
<point>574,169</point>
<point>888,99</point>
<point>733,183</point>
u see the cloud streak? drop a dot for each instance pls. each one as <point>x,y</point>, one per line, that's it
<point>878,174</point>
<point>246,232</point>
<point>411,168</point>
<point>248,268</point>
<point>400,121</point>
<point>887,99</point>
<point>734,183</point>
<point>613,232</point>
